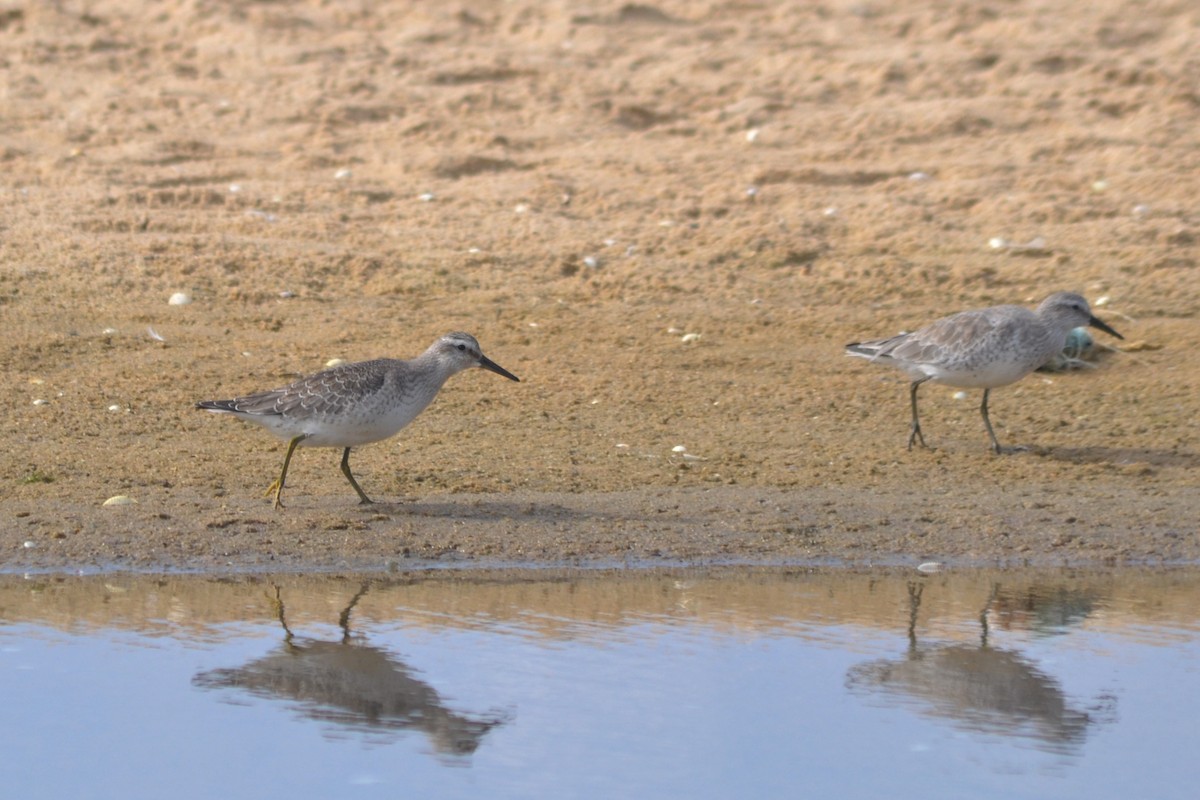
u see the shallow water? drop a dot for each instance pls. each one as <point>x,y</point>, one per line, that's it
<point>756,683</point>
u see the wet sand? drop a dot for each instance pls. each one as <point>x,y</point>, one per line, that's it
<point>582,188</point>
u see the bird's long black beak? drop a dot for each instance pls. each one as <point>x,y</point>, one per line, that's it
<point>488,364</point>
<point>1102,325</point>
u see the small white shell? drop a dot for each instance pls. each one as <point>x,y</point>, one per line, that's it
<point>752,134</point>
<point>688,338</point>
<point>342,174</point>
<point>179,299</point>
<point>120,500</point>
<point>930,567</point>
<point>334,362</point>
<point>678,449</point>
<point>41,402</point>
<point>426,197</point>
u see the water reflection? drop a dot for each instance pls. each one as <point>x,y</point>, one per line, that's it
<point>353,685</point>
<point>1044,610</point>
<point>981,688</point>
<point>699,684</point>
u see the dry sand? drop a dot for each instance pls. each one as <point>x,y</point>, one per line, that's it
<point>582,185</point>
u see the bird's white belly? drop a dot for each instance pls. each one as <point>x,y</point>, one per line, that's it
<point>348,428</point>
<point>352,430</point>
<point>988,376</point>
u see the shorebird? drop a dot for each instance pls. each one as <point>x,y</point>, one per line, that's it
<point>982,349</point>
<point>355,404</point>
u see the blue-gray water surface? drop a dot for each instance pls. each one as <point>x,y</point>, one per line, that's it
<point>747,683</point>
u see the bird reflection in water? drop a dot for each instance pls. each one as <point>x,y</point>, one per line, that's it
<point>978,688</point>
<point>355,686</point>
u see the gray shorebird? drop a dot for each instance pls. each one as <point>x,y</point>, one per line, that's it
<point>355,404</point>
<point>982,349</point>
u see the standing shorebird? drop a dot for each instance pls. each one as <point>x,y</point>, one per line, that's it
<point>982,349</point>
<point>355,404</point>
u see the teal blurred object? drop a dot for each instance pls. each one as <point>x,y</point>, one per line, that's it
<point>1079,345</point>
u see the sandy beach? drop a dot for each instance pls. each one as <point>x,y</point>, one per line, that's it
<point>667,218</point>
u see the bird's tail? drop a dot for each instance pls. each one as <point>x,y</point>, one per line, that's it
<point>218,406</point>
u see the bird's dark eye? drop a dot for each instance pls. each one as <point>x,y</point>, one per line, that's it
<point>462,347</point>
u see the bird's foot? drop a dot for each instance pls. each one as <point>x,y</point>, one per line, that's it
<point>275,489</point>
<point>916,436</point>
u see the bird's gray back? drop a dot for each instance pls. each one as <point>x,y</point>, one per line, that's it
<point>336,391</point>
<point>970,340</point>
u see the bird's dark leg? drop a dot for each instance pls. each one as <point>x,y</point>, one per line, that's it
<point>344,617</point>
<point>988,423</point>
<point>362,496</point>
<point>276,488</point>
<point>915,432</point>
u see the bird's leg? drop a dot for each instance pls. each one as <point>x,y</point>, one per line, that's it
<point>276,488</point>
<point>915,433</point>
<point>362,496</point>
<point>280,612</point>
<point>988,423</point>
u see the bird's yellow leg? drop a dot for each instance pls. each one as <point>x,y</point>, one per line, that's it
<point>362,496</point>
<point>276,488</point>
